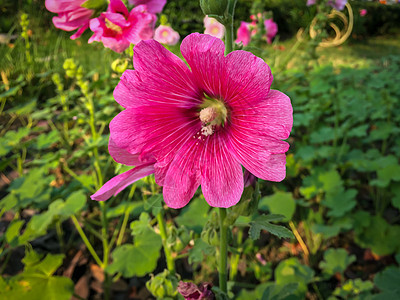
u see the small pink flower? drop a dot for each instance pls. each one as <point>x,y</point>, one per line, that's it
<point>117,28</point>
<point>337,4</point>
<point>71,15</point>
<point>311,2</point>
<point>213,27</point>
<point>244,33</point>
<point>153,6</point>
<point>198,126</point>
<point>271,28</point>
<point>166,35</point>
<point>363,12</point>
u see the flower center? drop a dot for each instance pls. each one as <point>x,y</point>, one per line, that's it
<point>213,114</point>
<point>112,26</point>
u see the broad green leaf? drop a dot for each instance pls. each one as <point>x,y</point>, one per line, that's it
<point>280,203</point>
<point>280,291</point>
<point>388,282</point>
<point>195,215</point>
<point>352,288</point>
<point>263,222</point>
<point>154,203</point>
<point>386,175</point>
<point>46,140</point>
<point>292,271</point>
<point>36,281</point>
<point>336,261</point>
<point>140,258</point>
<point>12,140</point>
<point>13,232</point>
<point>340,202</point>
<point>199,250</point>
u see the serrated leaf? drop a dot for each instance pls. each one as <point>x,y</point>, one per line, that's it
<point>280,203</point>
<point>199,250</point>
<point>336,261</point>
<point>263,223</point>
<point>154,203</point>
<point>140,258</point>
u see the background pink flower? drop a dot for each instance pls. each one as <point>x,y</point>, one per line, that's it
<point>166,35</point>
<point>271,28</point>
<point>198,126</point>
<point>363,12</point>
<point>243,33</point>
<point>337,4</point>
<point>311,2</point>
<point>213,27</point>
<point>71,15</point>
<point>153,6</point>
<point>117,28</point>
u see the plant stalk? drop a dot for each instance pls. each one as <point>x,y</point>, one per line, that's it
<point>167,251</point>
<point>223,250</point>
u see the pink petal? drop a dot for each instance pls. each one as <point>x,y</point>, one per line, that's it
<point>153,6</point>
<point>122,156</point>
<point>222,180</point>
<point>119,182</point>
<point>183,176</point>
<point>79,32</point>
<point>117,6</point>
<point>272,117</point>
<point>205,56</point>
<point>60,6</point>
<point>248,77</point>
<point>116,19</point>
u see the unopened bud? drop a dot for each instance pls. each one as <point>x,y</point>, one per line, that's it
<point>214,7</point>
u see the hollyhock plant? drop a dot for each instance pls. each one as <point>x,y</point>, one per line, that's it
<point>118,28</point>
<point>213,27</point>
<point>153,6</point>
<point>271,28</point>
<point>166,35</point>
<point>198,126</point>
<point>71,15</point>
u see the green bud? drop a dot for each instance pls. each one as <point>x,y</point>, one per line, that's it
<point>163,285</point>
<point>69,64</point>
<point>178,238</point>
<point>214,7</point>
<point>70,73</point>
<point>79,73</point>
<point>119,65</point>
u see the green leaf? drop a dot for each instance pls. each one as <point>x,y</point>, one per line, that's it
<point>292,271</point>
<point>280,203</point>
<point>263,223</point>
<point>154,203</point>
<point>199,250</point>
<point>12,140</point>
<point>140,258</point>
<point>336,261</point>
<point>13,233</point>
<point>340,202</point>
<point>36,281</point>
<point>46,140</point>
<point>195,215</point>
<point>94,4</point>
<point>279,291</point>
<point>388,282</point>
<point>352,288</point>
<point>386,175</point>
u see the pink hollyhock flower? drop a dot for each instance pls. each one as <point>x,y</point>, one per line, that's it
<point>363,12</point>
<point>153,6</point>
<point>166,35</point>
<point>190,291</point>
<point>71,15</point>
<point>337,4</point>
<point>271,28</point>
<point>213,27</point>
<point>243,33</point>
<point>311,2</point>
<point>198,126</point>
<point>117,28</point>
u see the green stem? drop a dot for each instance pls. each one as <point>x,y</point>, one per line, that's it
<point>122,232</point>
<point>86,241</point>
<point>167,251</point>
<point>60,235</point>
<point>104,233</point>
<point>223,250</point>
<point>234,262</point>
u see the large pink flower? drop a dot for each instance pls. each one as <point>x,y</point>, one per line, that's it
<point>166,35</point>
<point>198,126</point>
<point>153,6</point>
<point>71,15</point>
<point>118,28</point>
<point>271,28</point>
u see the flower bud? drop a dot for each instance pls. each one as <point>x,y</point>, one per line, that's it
<point>214,7</point>
<point>178,238</point>
<point>163,285</point>
<point>119,65</point>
